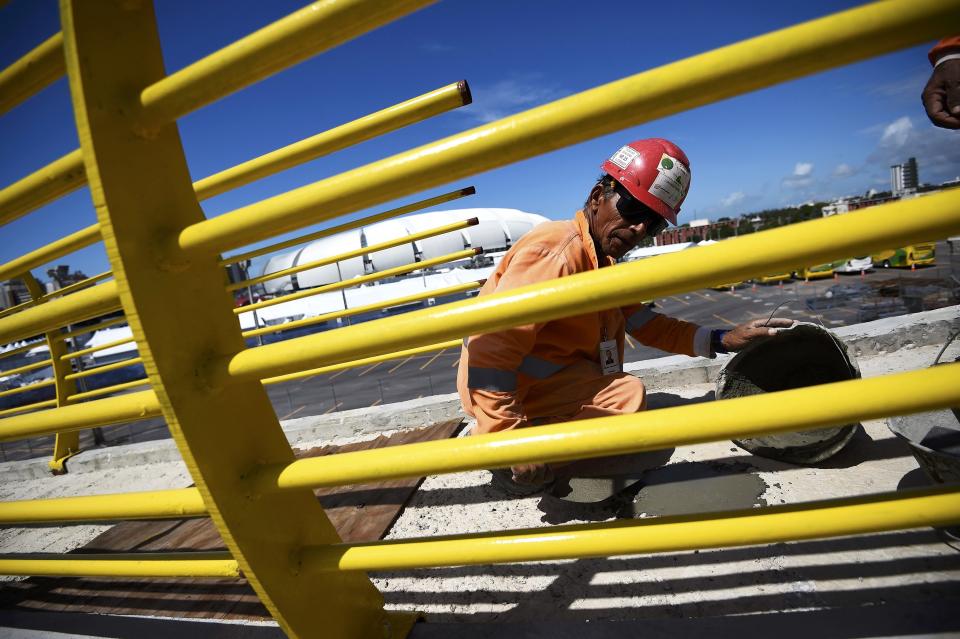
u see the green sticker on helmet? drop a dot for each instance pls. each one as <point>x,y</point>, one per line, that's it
<point>666,163</point>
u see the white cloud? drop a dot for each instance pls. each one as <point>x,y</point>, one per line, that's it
<point>898,132</point>
<point>803,169</point>
<point>733,198</point>
<point>843,170</point>
<point>510,96</point>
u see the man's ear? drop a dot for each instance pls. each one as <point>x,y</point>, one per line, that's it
<point>596,194</point>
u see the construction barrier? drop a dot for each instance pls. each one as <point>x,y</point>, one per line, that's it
<point>208,385</point>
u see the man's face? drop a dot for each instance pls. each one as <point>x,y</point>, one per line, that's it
<point>617,233</point>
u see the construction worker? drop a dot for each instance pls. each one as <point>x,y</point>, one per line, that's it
<point>941,95</point>
<point>571,368</point>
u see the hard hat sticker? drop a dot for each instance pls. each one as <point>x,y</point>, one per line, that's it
<point>624,156</point>
<point>672,181</point>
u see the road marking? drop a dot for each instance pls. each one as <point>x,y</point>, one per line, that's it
<point>333,408</point>
<point>679,300</point>
<point>456,362</point>
<point>336,375</point>
<point>307,379</point>
<point>430,361</point>
<point>706,297</point>
<point>400,364</point>
<point>375,403</point>
<point>724,319</point>
<point>629,341</point>
<point>291,414</point>
<point>369,369</point>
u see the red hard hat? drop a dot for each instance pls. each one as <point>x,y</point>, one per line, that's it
<point>655,171</point>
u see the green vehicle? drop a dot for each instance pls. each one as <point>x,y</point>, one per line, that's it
<point>908,256</point>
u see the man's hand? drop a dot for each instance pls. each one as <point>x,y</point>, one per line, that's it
<point>941,96</point>
<point>749,332</point>
<point>533,474</point>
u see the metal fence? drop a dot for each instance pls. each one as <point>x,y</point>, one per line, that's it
<point>206,381</point>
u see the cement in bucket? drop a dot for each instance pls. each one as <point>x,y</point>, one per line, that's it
<point>803,355</point>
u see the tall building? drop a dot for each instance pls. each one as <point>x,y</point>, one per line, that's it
<point>904,177</point>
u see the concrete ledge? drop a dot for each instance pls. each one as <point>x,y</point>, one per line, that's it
<point>870,339</point>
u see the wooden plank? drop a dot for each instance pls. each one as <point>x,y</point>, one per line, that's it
<point>363,512</point>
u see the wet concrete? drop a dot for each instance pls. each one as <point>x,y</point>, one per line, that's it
<point>698,487</point>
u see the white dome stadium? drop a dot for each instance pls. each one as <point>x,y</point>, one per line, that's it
<point>497,230</point>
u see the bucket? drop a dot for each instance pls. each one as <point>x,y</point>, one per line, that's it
<point>934,439</point>
<point>804,355</point>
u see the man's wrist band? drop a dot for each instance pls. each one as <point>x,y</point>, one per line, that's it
<point>716,341</point>
<point>952,56</point>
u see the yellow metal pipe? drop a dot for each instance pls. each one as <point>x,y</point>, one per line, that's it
<point>96,370</point>
<point>784,411</point>
<point>357,281</point>
<point>141,191</point>
<point>392,118</point>
<point>29,387</point>
<point>198,564</point>
<point>40,187</point>
<point>31,73</point>
<point>64,246</point>
<point>346,226</point>
<point>773,524</point>
<point>13,310</point>
<point>832,41</point>
<point>28,367</point>
<point>156,504</point>
<point>76,286</point>
<point>103,412</point>
<point>364,362</point>
<point>732,260</point>
<point>98,348</point>
<point>357,310</point>
<point>365,250</point>
<point>19,409</point>
<point>91,302</point>
<point>315,28</point>
<point>93,328</point>
<point>106,390</point>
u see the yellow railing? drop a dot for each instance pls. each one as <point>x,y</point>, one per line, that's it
<point>205,382</point>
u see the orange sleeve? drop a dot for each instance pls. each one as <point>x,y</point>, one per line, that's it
<point>944,47</point>
<point>493,358</point>
<point>666,333</point>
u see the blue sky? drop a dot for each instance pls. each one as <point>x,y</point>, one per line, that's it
<point>829,135</point>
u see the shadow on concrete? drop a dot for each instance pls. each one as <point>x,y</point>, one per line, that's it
<point>575,593</point>
<point>881,620</point>
<point>37,625</point>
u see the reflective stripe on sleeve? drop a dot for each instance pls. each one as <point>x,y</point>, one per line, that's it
<point>639,318</point>
<point>491,379</point>
<point>538,367</point>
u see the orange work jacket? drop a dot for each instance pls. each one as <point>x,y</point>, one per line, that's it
<point>499,370</point>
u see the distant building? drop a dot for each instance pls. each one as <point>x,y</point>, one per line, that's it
<point>904,178</point>
<point>698,230</point>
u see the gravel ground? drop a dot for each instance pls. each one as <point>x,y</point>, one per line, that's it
<point>901,568</point>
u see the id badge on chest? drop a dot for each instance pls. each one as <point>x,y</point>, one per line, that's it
<point>609,356</point>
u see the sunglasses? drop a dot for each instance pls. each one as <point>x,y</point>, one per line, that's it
<point>633,211</point>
